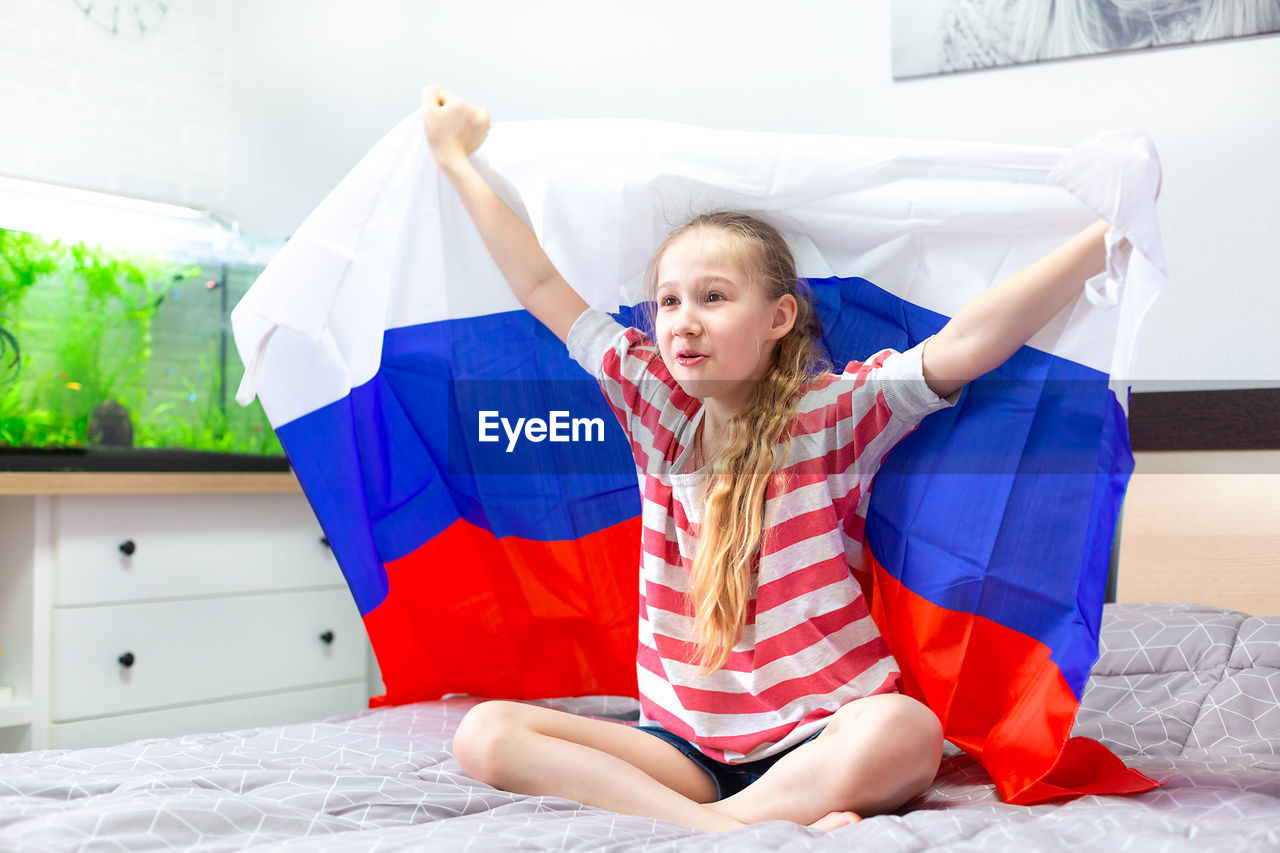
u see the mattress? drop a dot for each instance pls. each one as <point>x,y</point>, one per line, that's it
<point>1186,694</point>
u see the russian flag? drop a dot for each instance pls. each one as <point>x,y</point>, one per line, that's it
<point>393,361</point>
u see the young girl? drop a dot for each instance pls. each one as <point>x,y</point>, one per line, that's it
<point>766,691</point>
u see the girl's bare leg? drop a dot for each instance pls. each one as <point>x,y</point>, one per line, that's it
<point>528,749</point>
<point>874,755</point>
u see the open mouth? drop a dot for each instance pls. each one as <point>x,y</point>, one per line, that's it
<point>688,358</point>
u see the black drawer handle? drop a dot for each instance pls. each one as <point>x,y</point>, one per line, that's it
<point>126,659</point>
<point>327,636</point>
<point>127,547</point>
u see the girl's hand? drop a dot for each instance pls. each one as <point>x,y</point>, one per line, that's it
<point>454,127</point>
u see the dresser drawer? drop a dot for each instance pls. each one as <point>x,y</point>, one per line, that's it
<point>277,709</point>
<point>180,545</point>
<point>199,649</point>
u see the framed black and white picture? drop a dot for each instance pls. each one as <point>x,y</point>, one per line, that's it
<point>942,36</point>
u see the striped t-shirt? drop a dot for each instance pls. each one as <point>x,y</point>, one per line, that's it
<point>809,644</point>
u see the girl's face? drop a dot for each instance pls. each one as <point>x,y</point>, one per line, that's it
<point>715,327</point>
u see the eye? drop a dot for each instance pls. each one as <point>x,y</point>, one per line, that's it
<point>667,300</point>
<point>715,296</point>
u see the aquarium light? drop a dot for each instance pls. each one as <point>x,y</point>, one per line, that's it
<point>90,216</point>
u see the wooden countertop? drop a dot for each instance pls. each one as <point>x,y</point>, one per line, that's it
<point>142,483</point>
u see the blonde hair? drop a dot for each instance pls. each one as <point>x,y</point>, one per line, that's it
<point>730,535</point>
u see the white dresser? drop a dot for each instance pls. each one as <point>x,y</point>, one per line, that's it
<point>131,615</point>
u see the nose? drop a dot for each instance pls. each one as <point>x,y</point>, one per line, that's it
<point>686,322</point>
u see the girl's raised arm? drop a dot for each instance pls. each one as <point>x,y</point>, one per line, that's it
<point>454,129</point>
<point>990,328</point>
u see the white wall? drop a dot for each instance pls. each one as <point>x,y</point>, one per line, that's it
<point>312,84</point>
<point>136,115</point>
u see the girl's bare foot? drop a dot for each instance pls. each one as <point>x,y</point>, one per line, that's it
<point>835,820</point>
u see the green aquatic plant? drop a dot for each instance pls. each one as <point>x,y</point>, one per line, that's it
<point>23,258</point>
<point>109,302</point>
<point>85,315</point>
<point>197,418</point>
<point>9,342</point>
<point>24,426</point>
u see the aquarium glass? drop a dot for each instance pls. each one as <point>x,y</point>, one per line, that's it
<point>116,347</point>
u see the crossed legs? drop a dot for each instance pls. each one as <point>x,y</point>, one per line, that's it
<point>539,751</point>
<point>875,754</point>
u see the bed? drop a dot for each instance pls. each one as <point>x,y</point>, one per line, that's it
<point>1185,693</point>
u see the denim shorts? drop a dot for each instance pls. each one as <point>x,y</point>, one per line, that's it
<point>729,778</point>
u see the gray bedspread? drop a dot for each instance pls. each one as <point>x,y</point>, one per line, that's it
<point>1189,695</point>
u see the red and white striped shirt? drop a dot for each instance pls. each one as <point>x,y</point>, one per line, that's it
<point>809,645</point>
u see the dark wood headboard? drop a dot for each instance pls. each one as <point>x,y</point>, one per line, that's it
<point>1242,419</point>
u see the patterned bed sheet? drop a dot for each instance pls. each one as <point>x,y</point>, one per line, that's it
<point>1189,695</point>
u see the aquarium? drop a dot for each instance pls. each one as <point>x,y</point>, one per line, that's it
<point>115,340</point>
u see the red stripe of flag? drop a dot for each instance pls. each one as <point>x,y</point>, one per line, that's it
<point>999,697</point>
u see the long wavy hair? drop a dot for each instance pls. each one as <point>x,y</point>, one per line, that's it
<point>722,577</point>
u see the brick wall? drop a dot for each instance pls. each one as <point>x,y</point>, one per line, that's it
<point>144,115</point>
